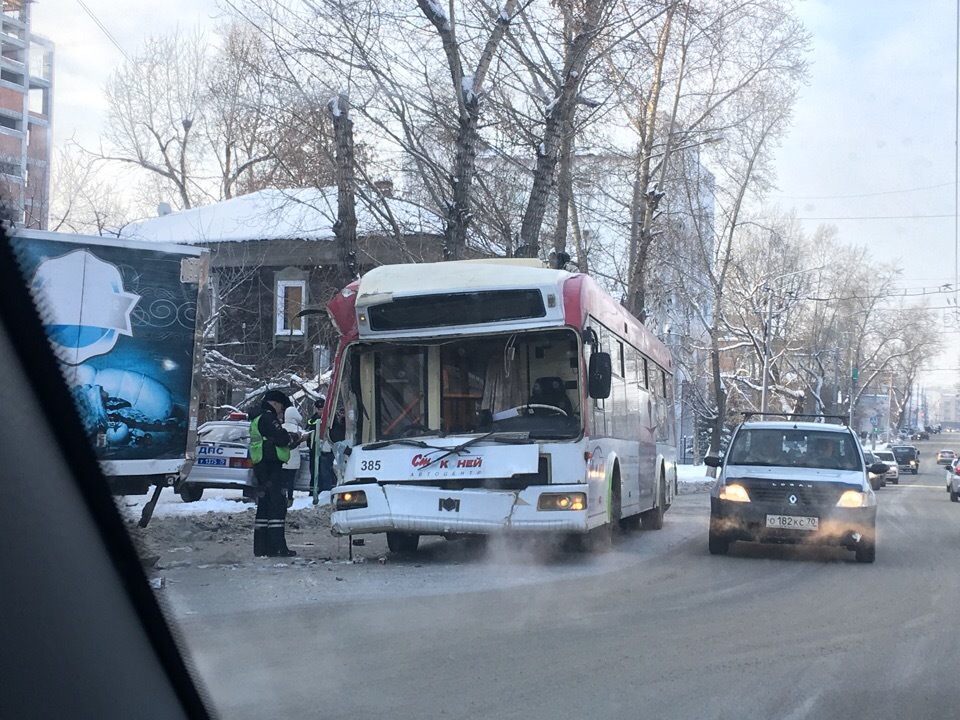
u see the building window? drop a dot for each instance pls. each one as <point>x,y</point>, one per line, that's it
<point>8,167</point>
<point>291,298</point>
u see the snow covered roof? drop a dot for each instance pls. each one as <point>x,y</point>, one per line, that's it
<point>276,214</point>
<point>426,278</point>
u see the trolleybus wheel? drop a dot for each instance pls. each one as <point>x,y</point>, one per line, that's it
<point>402,543</point>
<point>653,519</point>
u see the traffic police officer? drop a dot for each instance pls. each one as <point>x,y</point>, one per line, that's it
<point>270,447</point>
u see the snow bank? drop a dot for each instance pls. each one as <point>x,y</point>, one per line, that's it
<point>693,474</point>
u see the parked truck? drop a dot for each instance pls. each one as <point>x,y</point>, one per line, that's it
<point>122,316</point>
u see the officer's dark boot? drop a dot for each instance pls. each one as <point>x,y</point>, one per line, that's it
<point>278,543</point>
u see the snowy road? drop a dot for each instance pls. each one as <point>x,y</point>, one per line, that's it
<point>654,627</point>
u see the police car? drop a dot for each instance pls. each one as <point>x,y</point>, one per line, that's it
<point>794,482</point>
<point>223,460</point>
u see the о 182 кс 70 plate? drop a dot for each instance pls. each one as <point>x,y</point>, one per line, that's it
<point>793,522</point>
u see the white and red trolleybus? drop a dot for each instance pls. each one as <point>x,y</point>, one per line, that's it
<point>496,396</point>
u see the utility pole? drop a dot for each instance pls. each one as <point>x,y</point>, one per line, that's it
<point>766,350</point>
<point>854,374</point>
<point>836,380</point>
<point>767,333</point>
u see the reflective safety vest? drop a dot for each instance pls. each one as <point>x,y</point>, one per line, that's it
<point>256,444</point>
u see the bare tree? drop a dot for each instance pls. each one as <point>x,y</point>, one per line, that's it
<point>155,103</point>
<point>205,119</point>
<point>85,199</point>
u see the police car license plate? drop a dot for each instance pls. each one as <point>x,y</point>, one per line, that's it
<point>211,461</point>
<point>793,522</point>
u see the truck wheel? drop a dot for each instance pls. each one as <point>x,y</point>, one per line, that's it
<point>190,493</point>
<point>653,519</point>
<point>914,471</point>
<point>402,543</point>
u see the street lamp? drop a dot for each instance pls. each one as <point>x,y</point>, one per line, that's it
<point>766,333</point>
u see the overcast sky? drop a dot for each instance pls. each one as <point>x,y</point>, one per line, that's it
<point>873,138</point>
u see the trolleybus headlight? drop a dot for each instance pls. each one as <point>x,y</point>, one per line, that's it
<point>734,493</point>
<point>350,500</point>
<point>852,499</point>
<point>562,501</point>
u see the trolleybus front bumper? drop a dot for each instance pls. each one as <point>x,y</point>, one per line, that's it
<point>436,511</point>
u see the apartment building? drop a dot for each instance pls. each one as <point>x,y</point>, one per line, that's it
<point>26,99</point>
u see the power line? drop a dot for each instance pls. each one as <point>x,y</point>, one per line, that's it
<point>102,27</point>
<point>863,195</point>
<point>877,217</point>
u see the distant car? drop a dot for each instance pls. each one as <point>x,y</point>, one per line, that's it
<point>877,480</point>
<point>889,459</point>
<point>922,435</point>
<point>223,461</point>
<point>908,458</point>
<point>953,480</point>
<point>945,457</point>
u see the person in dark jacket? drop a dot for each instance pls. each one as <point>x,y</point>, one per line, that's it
<point>270,447</point>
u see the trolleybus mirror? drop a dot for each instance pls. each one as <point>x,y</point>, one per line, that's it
<point>600,372</point>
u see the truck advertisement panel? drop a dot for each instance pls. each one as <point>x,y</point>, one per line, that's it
<point>122,318</point>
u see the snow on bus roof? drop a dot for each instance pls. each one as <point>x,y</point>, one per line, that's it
<point>429,278</point>
<point>276,214</point>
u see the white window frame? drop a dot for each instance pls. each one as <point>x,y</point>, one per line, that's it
<point>282,286</point>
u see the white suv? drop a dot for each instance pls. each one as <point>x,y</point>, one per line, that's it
<point>794,482</point>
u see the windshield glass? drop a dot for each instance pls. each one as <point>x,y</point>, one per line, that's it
<point>777,448</point>
<point>521,382</point>
<point>904,453</point>
<point>239,432</point>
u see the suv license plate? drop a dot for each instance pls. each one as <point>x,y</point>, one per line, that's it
<point>793,522</point>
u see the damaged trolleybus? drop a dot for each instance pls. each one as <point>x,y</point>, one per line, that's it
<point>496,396</point>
